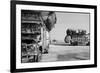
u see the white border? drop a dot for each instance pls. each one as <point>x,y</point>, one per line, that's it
<point>20,65</point>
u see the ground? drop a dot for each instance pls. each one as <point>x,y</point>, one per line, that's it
<point>59,52</point>
<point>66,53</point>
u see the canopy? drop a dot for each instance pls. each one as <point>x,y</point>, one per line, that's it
<point>49,19</point>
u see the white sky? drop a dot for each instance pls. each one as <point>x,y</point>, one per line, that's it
<point>69,20</point>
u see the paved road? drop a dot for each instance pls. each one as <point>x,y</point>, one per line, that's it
<point>66,53</point>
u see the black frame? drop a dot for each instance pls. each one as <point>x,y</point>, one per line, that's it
<point>13,35</point>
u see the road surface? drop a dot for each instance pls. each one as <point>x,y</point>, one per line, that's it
<point>66,53</point>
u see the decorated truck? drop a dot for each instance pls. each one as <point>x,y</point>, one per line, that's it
<point>35,28</point>
<point>77,37</point>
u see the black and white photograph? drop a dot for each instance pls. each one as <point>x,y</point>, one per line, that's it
<point>52,36</point>
<point>48,36</point>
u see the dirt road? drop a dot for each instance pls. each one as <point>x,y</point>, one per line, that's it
<point>66,53</point>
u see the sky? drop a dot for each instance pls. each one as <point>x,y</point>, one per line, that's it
<point>69,20</point>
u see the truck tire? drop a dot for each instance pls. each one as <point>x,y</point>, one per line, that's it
<point>67,39</point>
<point>74,43</point>
<point>45,51</point>
<point>40,48</point>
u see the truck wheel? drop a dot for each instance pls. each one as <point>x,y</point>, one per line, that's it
<point>36,58</point>
<point>67,39</point>
<point>40,48</point>
<point>88,44</point>
<point>39,57</point>
<point>74,43</point>
<point>45,51</point>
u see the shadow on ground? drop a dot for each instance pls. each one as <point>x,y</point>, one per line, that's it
<point>74,56</point>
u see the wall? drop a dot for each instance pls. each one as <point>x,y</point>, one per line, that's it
<point>5,36</point>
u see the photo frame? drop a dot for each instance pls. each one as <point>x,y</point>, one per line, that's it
<point>71,50</point>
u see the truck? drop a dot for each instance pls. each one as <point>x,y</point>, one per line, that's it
<point>77,37</point>
<point>34,35</point>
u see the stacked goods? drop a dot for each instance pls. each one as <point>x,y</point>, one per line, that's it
<point>35,28</point>
<point>30,30</point>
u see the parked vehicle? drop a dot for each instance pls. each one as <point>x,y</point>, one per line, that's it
<point>77,37</point>
<point>35,34</point>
